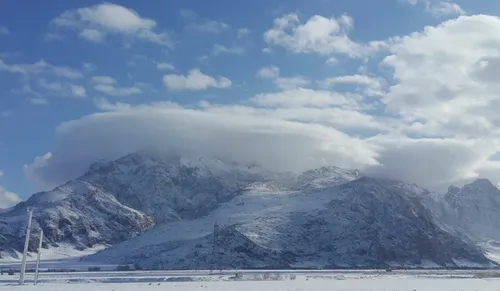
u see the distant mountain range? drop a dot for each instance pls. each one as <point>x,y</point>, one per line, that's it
<point>174,212</point>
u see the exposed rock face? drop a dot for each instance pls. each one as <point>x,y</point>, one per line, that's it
<point>362,224</point>
<point>473,210</point>
<point>323,218</point>
<point>76,213</point>
<point>169,188</point>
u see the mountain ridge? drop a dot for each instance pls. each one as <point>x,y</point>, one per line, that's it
<point>355,216</point>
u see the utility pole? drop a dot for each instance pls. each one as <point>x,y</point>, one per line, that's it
<point>38,256</point>
<point>26,243</point>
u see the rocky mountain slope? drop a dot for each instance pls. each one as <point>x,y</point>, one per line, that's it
<point>76,213</point>
<point>327,217</point>
<point>362,223</point>
<point>173,187</point>
<point>473,210</point>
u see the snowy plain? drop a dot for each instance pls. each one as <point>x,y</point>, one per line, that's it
<point>252,280</point>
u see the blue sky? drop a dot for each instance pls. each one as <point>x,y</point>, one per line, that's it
<point>338,74</point>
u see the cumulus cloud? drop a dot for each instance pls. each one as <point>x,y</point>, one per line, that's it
<point>372,86</point>
<point>291,82</point>
<point>107,85</point>
<point>270,72</point>
<point>433,95</point>
<point>320,35</point>
<point>285,83</point>
<point>92,35</point>
<point>195,81</point>
<point>97,22</point>
<point>8,199</point>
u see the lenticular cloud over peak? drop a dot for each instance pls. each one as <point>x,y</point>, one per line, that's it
<point>273,143</point>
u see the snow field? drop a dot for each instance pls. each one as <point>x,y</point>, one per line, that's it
<point>303,282</point>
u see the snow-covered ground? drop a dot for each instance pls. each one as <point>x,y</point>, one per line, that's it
<point>64,251</point>
<point>256,280</point>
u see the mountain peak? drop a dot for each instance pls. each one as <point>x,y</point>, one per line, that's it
<point>453,189</point>
<point>482,182</point>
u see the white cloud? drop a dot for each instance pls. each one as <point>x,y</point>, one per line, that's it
<point>301,97</point>
<point>440,8</point>
<point>441,89</point>
<point>4,30</point>
<point>117,91</point>
<point>372,86</point>
<point>104,105</point>
<point>92,35</point>
<point>445,8</point>
<point>220,49</point>
<point>165,66</point>
<point>439,74</point>
<point>435,163</point>
<point>285,83</point>
<point>63,89</point>
<point>332,61</point>
<point>107,85</point>
<point>270,72</point>
<point>103,80</point>
<point>239,136</point>
<point>319,35</point>
<point>194,81</point>
<point>8,199</point>
<point>291,82</point>
<point>188,14</point>
<point>39,162</point>
<point>40,67</point>
<point>89,67</point>
<point>243,32</point>
<point>97,22</point>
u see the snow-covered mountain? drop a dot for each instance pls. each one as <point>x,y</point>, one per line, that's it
<point>362,223</point>
<point>473,210</point>
<point>325,177</point>
<point>326,217</point>
<point>173,187</point>
<point>77,213</point>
